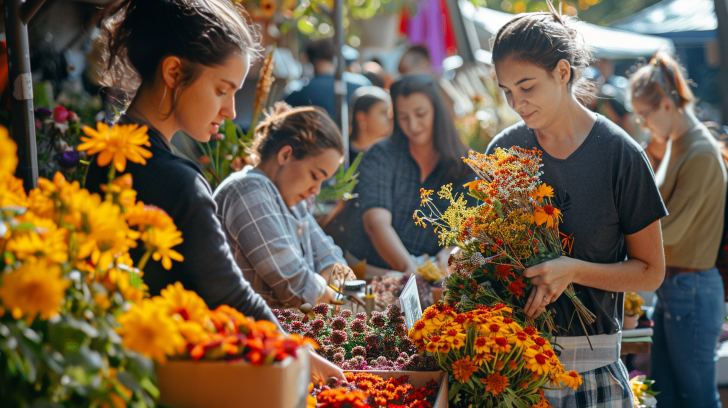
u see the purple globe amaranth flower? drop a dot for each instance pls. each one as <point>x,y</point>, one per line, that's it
<point>68,159</point>
<point>322,309</point>
<point>43,112</point>
<point>338,337</point>
<point>338,323</point>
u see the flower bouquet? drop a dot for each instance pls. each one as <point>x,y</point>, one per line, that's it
<point>644,395</point>
<point>66,274</point>
<point>366,390</point>
<point>355,342</point>
<point>178,325</point>
<point>514,227</point>
<point>495,362</point>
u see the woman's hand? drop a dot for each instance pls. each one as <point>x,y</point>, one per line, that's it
<point>322,369</point>
<point>550,279</point>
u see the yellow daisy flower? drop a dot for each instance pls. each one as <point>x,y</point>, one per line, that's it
<point>50,244</point>
<point>147,329</point>
<point>573,379</point>
<point>121,192</point>
<point>185,303</point>
<point>142,215</point>
<point>105,234</point>
<point>548,214</point>
<point>12,192</point>
<point>542,191</point>
<point>8,152</point>
<point>37,287</point>
<point>536,361</point>
<point>117,144</point>
<point>161,241</point>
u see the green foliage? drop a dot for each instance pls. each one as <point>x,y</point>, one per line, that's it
<point>344,183</point>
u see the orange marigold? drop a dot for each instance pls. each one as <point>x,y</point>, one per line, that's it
<point>495,383</point>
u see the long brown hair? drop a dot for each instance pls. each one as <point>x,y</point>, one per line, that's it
<point>544,39</point>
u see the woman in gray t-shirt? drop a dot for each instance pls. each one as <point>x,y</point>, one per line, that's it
<point>605,189</point>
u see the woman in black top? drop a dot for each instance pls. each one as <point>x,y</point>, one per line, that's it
<point>184,60</point>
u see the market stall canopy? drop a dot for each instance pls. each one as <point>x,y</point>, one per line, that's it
<point>685,21</point>
<point>604,42</point>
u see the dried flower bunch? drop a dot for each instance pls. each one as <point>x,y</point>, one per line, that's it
<point>355,342</point>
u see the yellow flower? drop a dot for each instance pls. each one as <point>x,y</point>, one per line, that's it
<point>121,192</point>
<point>120,143</point>
<point>143,216</point>
<point>51,244</point>
<point>37,287</point>
<point>161,241</point>
<point>573,379</point>
<point>542,191</point>
<point>117,279</point>
<point>11,191</point>
<point>186,303</point>
<point>8,153</point>
<point>547,214</point>
<point>452,336</point>
<point>105,234</point>
<point>149,330</point>
<point>481,345</point>
<point>463,369</point>
<point>536,361</point>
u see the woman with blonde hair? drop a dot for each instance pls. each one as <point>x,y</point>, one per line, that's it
<point>692,181</point>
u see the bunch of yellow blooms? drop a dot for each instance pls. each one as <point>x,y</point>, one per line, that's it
<point>633,304</point>
<point>644,396</point>
<point>66,269</point>
<point>506,360</point>
<point>179,324</point>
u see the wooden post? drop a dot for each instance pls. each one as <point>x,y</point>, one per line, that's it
<point>340,88</point>
<point>721,11</point>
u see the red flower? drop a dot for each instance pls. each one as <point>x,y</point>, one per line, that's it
<point>516,287</point>
<point>502,272</point>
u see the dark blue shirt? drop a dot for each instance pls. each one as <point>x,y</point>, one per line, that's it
<point>320,91</point>
<point>389,178</point>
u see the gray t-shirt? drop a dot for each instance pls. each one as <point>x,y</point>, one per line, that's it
<point>605,190</point>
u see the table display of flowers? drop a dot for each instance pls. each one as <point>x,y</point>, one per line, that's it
<point>357,342</point>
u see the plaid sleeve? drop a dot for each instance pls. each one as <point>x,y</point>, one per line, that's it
<point>325,252</point>
<point>259,226</point>
<point>376,178</point>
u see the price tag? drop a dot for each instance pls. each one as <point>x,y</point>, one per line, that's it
<point>409,301</point>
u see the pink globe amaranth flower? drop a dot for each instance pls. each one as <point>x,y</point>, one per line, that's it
<point>60,114</point>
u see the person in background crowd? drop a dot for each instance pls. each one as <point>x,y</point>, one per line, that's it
<point>692,181</point>
<point>371,119</point>
<point>183,61</point>
<point>598,174</point>
<point>275,241</point>
<point>416,61</point>
<point>375,73</point>
<point>425,151</point>
<point>320,89</point>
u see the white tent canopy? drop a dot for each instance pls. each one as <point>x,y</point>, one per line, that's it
<point>604,42</point>
<point>671,16</point>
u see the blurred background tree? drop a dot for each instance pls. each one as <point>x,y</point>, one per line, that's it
<point>600,12</point>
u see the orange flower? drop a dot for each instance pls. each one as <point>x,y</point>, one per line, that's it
<point>547,214</point>
<point>118,144</point>
<point>516,287</point>
<point>542,191</point>
<point>502,272</point>
<point>572,379</point>
<point>463,369</point>
<point>495,383</point>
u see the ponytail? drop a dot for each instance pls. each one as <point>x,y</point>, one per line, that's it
<point>662,77</point>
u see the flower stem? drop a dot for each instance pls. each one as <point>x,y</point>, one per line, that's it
<point>144,260</point>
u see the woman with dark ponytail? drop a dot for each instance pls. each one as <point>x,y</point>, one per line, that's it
<point>605,189</point>
<point>692,180</point>
<point>180,62</point>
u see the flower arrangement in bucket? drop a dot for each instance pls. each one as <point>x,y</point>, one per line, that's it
<point>494,361</point>
<point>66,274</point>
<point>366,390</point>
<point>632,309</point>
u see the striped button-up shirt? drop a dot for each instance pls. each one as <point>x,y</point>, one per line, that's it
<point>278,249</point>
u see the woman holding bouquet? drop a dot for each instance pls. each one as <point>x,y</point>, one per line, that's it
<point>183,61</point>
<point>276,242</point>
<point>692,180</point>
<point>605,189</point>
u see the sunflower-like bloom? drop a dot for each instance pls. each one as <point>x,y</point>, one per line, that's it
<point>160,241</point>
<point>541,192</point>
<point>536,361</point>
<point>462,369</point>
<point>547,214</point>
<point>572,379</point>
<point>51,244</point>
<point>143,215</point>
<point>8,153</point>
<point>149,330</point>
<point>105,233</point>
<point>495,383</point>
<point>117,144</point>
<point>11,191</point>
<point>37,287</point>
<point>185,303</point>
<point>121,192</point>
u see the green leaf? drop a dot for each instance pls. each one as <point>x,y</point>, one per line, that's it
<point>128,381</point>
<point>230,132</point>
<point>455,387</point>
<point>149,386</point>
